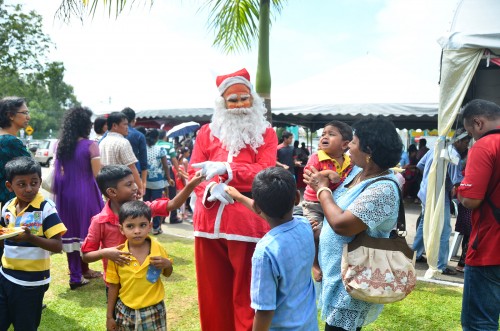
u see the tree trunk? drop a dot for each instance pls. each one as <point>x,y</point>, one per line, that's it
<point>263,76</point>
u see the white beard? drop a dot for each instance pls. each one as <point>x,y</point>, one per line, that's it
<point>237,128</point>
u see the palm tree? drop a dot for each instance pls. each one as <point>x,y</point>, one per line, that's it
<point>234,22</point>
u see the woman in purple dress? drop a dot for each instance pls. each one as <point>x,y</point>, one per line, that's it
<point>76,193</point>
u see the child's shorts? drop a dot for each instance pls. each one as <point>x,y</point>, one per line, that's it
<point>148,318</point>
<point>313,212</point>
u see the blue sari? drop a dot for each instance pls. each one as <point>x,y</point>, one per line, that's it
<point>378,208</point>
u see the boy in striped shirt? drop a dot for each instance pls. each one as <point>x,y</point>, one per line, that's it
<point>25,271</point>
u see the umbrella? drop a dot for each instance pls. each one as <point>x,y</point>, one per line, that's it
<point>182,129</point>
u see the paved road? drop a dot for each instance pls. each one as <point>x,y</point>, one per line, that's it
<point>412,211</point>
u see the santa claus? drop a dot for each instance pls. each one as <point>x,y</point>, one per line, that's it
<point>231,150</point>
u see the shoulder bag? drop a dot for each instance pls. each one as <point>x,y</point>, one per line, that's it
<point>48,181</point>
<point>380,270</point>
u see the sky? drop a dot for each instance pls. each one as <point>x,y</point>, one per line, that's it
<point>321,51</point>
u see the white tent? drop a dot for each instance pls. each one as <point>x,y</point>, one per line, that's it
<point>474,35</point>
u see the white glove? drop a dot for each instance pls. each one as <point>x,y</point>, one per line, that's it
<point>210,168</point>
<point>218,192</point>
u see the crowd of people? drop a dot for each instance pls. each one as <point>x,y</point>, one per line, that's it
<point>259,264</point>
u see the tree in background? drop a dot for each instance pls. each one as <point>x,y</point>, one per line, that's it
<point>24,70</point>
<point>234,22</point>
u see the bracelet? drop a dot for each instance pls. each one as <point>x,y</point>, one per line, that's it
<point>321,189</point>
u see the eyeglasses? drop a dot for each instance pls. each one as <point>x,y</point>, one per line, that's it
<point>234,98</point>
<point>25,113</point>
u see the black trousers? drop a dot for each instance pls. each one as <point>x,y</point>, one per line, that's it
<point>20,306</point>
<point>172,191</point>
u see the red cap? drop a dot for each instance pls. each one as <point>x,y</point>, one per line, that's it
<point>239,77</point>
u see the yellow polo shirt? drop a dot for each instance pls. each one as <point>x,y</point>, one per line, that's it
<point>136,291</point>
<point>322,156</point>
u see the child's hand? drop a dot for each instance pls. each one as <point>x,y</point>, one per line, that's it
<point>23,236</point>
<point>197,178</point>
<point>333,177</point>
<point>182,174</point>
<point>171,182</point>
<point>160,262</point>
<point>110,323</point>
<point>314,224</point>
<point>233,193</point>
<point>116,255</point>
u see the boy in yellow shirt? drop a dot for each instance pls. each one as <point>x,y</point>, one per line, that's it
<point>136,293</point>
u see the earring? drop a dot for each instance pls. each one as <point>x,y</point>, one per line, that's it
<point>368,159</point>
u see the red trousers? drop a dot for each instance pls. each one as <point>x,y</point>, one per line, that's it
<point>223,271</point>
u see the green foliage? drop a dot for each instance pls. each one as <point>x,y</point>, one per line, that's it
<point>235,22</point>
<point>22,40</point>
<point>24,71</point>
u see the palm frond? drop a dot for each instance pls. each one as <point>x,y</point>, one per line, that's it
<point>82,8</point>
<point>236,22</point>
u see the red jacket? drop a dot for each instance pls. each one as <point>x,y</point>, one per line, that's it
<point>234,221</point>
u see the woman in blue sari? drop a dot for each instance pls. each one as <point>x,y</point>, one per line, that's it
<point>351,209</point>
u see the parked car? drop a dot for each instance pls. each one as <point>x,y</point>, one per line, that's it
<point>45,151</point>
<point>33,145</point>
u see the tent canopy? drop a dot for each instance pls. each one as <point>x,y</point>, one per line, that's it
<point>475,31</point>
<point>404,116</point>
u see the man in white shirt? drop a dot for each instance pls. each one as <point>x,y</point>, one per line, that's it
<point>116,149</point>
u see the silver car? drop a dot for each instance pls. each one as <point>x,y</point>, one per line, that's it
<point>46,151</point>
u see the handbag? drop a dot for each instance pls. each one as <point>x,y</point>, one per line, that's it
<point>48,182</point>
<point>380,270</point>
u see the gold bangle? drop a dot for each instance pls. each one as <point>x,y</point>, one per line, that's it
<point>321,189</point>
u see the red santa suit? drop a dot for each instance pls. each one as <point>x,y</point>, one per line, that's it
<point>226,235</point>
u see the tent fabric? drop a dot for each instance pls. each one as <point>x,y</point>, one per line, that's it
<point>474,30</point>
<point>404,115</point>
<point>475,26</point>
<point>458,68</point>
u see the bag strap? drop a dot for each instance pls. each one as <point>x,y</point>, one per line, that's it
<point>401,224</point>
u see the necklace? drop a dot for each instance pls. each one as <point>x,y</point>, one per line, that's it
<point>358,179</point>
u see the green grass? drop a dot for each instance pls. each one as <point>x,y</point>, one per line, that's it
<point>429,307</point>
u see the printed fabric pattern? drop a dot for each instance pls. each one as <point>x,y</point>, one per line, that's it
<point>377,207</point>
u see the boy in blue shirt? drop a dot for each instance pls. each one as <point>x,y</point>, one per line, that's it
<point>282,290</point>
<point>25,271</point>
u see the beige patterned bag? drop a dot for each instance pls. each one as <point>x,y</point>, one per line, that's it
<point>379,270</point>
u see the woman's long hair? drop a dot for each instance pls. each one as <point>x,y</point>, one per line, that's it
<point>76,124</point>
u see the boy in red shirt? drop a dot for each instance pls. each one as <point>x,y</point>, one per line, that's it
<point>104,239</point>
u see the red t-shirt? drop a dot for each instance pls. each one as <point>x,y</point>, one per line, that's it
<point>482,178</point>
<point>104,229</point>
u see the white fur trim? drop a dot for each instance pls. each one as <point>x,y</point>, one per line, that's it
<point>232,81</point>
<point>226,236</point>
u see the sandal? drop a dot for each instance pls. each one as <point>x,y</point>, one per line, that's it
<point>83,282</point>
<point>90,274</point>
<point>459,269</point>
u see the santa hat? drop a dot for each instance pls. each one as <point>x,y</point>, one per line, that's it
<point>239,77</point>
